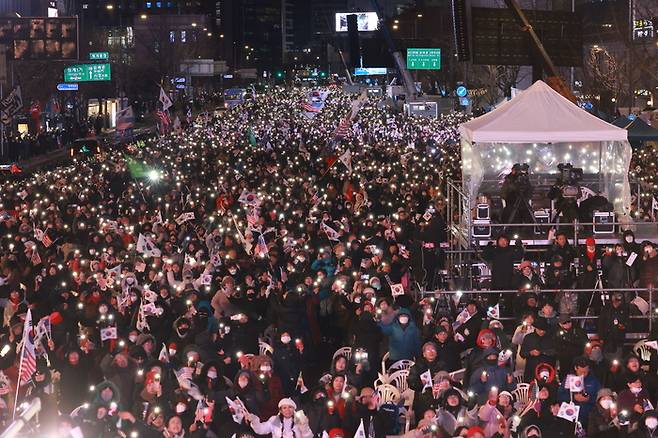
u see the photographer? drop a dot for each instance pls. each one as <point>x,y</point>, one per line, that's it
<point>501,258</point>
<point>565,192</point>
<point>516,191</point>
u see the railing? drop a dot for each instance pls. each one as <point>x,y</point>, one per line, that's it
<point>651,315</point>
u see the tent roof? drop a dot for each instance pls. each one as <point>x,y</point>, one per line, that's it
<point>539,115</point>
<point>638,129</point>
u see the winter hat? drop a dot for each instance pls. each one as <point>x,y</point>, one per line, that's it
<point>590,241</point>
<point>474,430</point>
<point>605,392</point>
<point>540,324</point>
<point>151,377</point>
<point>287,402</point>
<point>336,432</point>
<point>525,264</point>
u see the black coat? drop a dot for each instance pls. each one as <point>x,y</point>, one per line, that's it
<point>546,346</point>
<point>502,265</point>
<point>421,366</point>
<point>382,421</point>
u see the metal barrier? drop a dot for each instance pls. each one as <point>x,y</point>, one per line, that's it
<point>651,315</point>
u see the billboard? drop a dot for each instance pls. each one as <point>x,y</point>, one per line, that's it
<point>370,71</point>
<point>499,40</point>
<point>424,59</point>
<point>365,21</point>
<point>87,73</point>
<point>40,38</point>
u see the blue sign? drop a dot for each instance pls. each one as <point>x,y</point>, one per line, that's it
<point>462,91</point>
<point>67,87</point>
<point>464,101</point>
<point>588,106</point>
<point>368,71</point>
<point>632,116</point>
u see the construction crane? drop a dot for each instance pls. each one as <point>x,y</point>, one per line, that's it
<point>407,80</point>
<point>554,80</point>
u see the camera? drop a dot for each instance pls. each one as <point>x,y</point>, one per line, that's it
<point>522,177</point>
<point>569,178</point>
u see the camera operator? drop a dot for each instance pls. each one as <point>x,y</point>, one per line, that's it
<point>566,191</point>
<point>516,191</point>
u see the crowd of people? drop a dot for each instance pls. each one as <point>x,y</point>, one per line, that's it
<point>198,284</point>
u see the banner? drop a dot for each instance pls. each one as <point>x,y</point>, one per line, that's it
<point>11,105</point>
<point>125,119</point>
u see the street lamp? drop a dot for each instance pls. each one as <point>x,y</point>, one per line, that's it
<point>109,6</point>
<point>193,24</point>
<point>143,16</point>
<point>395,27</point>
<point>221,35</point>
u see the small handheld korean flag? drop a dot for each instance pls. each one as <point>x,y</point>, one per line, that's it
<point>494,312</point>
<point>568,411</point>
<point>108,333</point>
<point>652,344</point>
<point>397,290</point>
<point>346,159</point>
<point>361,431</point>
<point>574,383</point>
<point>426,377</point>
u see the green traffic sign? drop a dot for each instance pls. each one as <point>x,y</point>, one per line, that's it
<point>424,59</point>
<point>87,72</point>
<point>99,56</point>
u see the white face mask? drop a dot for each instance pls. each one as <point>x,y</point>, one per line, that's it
<point>180,408</point>
<point>132,338</point>
<point>285,339</point>
<point>651,422</point>
<point>628,239</point>
<point>636,390</point>
<point>265,369</point>
<point>404,319</point>
<point>606,403</point>
<point>212,375</point>
<point>172,352</point>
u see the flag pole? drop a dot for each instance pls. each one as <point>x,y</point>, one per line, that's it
<point>18,381</point>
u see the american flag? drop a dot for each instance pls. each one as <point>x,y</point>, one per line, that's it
<point>28,363</point>
<point>164,117</point>
<point>307,106</point>
<point>343,128</point>
<point>261,248</point>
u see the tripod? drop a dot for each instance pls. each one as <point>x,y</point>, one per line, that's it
<point>598,289</point>
<point>521,206</point>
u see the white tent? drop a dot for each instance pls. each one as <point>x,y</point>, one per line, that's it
<point>542,128</point>
<point>539,115</point>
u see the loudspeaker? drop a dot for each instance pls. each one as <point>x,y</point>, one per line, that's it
<point>482,228</point>
<point>541,217</point>
<point>482,212</point>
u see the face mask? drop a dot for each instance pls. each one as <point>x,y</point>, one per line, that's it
<point>232,271</point>
<point>180,408</point>
<point>544,375</point>
<point>605,403</point>
<point>376,286</point>
<point>132,338</point>
<point>651,423</point>
<point>404,319</point>
<point>102,309</point>
<point>636,390</point>
<point>596,355</point>
<point>212,375</point>
<point>265,369</point>
<point>242,384</point>
<point>629,239</point>
<point>172,352</point>
<point>285,339</point>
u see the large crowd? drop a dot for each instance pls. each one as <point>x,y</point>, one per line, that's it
<point>260,274</point>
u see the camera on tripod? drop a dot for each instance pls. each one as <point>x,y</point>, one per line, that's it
<point>522,177</point>
<point>569,180</point>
